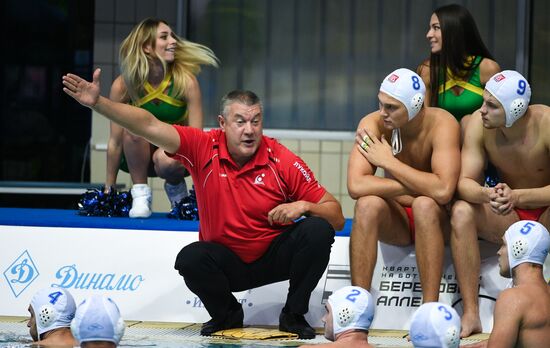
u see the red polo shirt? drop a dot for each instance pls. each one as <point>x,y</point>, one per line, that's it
<point>234,202</point>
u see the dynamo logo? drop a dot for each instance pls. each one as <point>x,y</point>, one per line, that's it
<point>21,273</point>
<point>70,277</point>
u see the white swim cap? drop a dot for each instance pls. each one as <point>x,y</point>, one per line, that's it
<point>352,308</point>
<point>407,87</point>
<point>527,241</point>
<point>97,318</point>
<point>435,325</point>
<point>512,91</point>
<point>53,308</point>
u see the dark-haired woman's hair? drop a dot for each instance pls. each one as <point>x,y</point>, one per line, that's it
<point>461,40</point>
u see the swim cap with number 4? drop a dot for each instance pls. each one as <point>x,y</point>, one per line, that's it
<point>53,309</point>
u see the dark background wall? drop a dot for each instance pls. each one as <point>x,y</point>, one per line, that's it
<point>316,63</point>
<point>43,134</point>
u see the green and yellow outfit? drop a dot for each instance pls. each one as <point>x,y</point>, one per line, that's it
<point>466,102</point>
<point>164,106</point>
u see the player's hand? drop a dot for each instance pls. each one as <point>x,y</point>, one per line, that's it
<point>377,152</point>
<point>362,138</point>
<point>493,200</point>
<point>84,92</point>
<point>285,214</point>
<point>504,200</point>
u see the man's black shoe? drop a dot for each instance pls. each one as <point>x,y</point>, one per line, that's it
<point>295,323</point>
<point>234,319</point>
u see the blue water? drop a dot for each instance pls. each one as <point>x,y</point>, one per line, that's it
<point>16,340</point>
<point>13,340</point>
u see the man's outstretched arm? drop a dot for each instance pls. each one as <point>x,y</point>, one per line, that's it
<point>138,121</point>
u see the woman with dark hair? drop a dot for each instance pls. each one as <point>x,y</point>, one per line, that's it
<point>455,76</point>
<point>459,63</point>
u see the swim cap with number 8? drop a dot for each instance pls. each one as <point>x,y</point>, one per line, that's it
<point>407,87</point>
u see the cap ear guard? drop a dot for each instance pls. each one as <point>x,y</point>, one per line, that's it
<point>519,248</point>
<point>46,316</point>
<point>517,108</point>
<point>344,315</point>
<point>416,103</point>
<point>452,337</point>
<point>120,327</point>
<point>75,330</point>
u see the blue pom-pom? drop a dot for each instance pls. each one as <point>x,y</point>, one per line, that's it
<point>491,181</point>
<point>491,176</point>
<point>186,209</point>
<point>95,202</point>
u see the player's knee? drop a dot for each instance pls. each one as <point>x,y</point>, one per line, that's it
<point>462,213</point>
<point>425,206</point>
<point>369,207</point>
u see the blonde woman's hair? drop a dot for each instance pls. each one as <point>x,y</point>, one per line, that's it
<point>135,62</point>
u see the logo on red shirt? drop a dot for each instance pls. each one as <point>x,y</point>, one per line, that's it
<point>499,78</point>
<point>259,180</point>
<point>392,78</point>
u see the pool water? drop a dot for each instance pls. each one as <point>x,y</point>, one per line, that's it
<point>15,334</point>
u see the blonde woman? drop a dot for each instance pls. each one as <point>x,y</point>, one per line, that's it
<point>158,73</point>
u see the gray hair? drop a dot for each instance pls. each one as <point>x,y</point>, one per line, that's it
<point>239,96</point>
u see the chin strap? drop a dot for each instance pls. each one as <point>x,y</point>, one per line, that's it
<point>396,143</point>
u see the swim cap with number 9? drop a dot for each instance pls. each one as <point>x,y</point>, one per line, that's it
<point>512,91</point>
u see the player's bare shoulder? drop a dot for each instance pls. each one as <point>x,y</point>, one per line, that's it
<point>439,118</point>
<point>514,297</point>
<point>372,122</point>
<point>541,114</point>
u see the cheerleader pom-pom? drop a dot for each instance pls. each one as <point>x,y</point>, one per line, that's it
<point>122,203</point>
<point>95,202</point>
<point>186,209</point>
<point>491,176</point>
<point>491,181</point>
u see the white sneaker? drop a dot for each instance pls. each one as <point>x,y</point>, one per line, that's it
<point>141,201</point>
<point>176,193</point>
